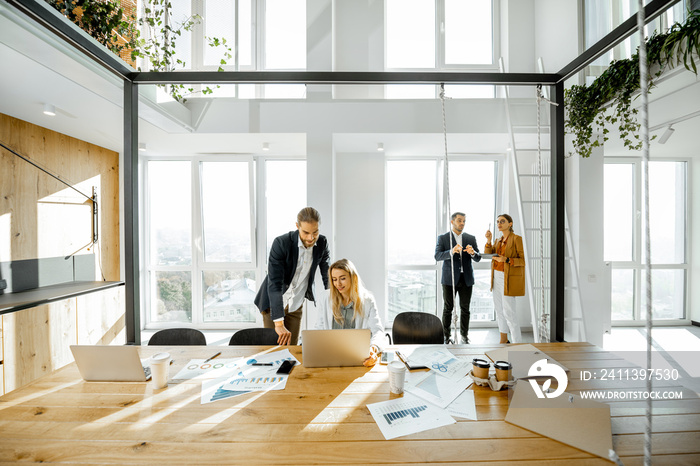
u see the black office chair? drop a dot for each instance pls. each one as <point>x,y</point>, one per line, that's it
<point>254,337</point>
<point>417,328</point>
<point>178,336</point>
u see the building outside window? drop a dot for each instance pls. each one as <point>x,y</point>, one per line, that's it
<point>414,214</point>
<point>624,238</point>
<point>203,259</point>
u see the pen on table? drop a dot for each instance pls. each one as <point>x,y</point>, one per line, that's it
<point>402,359</point>
<point>207,360</point>
<point>262,364</point>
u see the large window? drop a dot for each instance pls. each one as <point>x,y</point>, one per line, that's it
<point>602,16</point>
<point>414,206</point>
<point>262,35</point>
<point>624,238</point>
<point>440,35</point>
<point>203,261</point>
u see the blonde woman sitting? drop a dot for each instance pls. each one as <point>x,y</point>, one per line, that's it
<point>349,305</point>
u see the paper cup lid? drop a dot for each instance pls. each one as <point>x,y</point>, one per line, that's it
<point>483,363</point>
<point>160,357</point>
<point>396,365</point>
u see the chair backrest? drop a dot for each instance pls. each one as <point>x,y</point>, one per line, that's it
<point>254,336</point>
<point>178,336</point>
<point>416,328</point>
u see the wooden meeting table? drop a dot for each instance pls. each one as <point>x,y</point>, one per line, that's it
<point>319,418</point>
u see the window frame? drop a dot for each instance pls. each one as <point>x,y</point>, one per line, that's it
<point>637,265</point>
<point>436,267</point>
<point>440,42</point>
<point>199,265</point>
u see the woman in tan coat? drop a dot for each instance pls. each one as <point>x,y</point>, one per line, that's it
<point>507,276</point>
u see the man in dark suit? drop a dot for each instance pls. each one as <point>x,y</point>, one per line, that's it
<point>457,250</point>
<point>291,268</point>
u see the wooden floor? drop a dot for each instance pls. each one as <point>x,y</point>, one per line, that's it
<point>320,418</point>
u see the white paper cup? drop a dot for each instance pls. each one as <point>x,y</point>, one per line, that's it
<point>160,365</point>
<point>397,376</point>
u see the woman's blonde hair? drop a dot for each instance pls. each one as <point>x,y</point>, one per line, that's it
<point>357,290</point>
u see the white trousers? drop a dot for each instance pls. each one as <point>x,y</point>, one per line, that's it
<point>505,309</point>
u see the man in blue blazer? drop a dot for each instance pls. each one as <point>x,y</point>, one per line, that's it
<point>291,268</point>
<point>457,250</point>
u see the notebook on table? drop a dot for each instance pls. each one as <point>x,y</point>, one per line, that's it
<point>335,348</point>
<point>98,363</point>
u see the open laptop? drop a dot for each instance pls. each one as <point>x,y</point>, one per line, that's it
<point>334,348</point>
<point>98,363</point>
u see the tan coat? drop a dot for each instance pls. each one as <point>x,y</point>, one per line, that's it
<point>514,273</point>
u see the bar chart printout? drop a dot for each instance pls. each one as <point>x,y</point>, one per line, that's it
<point>407,415</point>
<point>396,415</point>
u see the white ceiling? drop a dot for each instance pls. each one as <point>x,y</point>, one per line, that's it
<point>38,69</point>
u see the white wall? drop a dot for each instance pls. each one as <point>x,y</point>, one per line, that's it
<point>584,178</point>
<point>554,20</point>
<point>360,219</point>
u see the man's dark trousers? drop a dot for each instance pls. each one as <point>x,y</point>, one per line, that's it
<point>465,297</point>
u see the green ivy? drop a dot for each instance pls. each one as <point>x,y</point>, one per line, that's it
<point>586,105</point>
<point>106,22</point>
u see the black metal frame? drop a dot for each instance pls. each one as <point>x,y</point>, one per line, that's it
<point>44,14</point>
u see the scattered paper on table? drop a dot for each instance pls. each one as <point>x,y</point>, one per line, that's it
<point>255,378</point>
<point>214,369</point>
<point>464,406</point>
<point>243,377</point>
<point>407,415</point>
<point>440,360</point>
<point>438,390</point>
<point>212,391</point>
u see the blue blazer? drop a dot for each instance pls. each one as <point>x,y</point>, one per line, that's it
<point>281,266</point>
<point>445,243</point>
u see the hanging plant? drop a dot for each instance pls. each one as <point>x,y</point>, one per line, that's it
<point>155,42</point>
<point>158,48</point>
<point>587,106</point>
<point>105,21</point>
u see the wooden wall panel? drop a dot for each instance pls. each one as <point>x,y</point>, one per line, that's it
<point>45,218</point>
<point>27,192</point>
<point>2,367</point>
<point>100,318</point>
<point>37,341</point>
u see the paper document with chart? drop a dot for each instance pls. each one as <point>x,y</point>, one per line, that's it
<point>255,373</point>
<point>441,361</point>
<point>214,369</point>
<point>407,415</point>
<point>252,377</point>
<point>436,389</point>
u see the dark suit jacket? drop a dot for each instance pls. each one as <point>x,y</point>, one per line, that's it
<point>281,266</point>
<point>445,243</point>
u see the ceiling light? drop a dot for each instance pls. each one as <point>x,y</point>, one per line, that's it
<point>667,134</point>
<point>266,146</point>
<point>49,110</point>
<point>380,146</point>
<point>142,147</point>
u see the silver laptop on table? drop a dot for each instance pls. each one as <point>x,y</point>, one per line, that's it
<point>334,348</point>
<point>98,363</point>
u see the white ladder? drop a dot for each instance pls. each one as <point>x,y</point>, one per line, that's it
<point>524,162</point>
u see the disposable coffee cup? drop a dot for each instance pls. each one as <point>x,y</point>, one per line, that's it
<point>480,368</point>
<point>160,365</point>
<point>397,376</point>
<point>503,370</point>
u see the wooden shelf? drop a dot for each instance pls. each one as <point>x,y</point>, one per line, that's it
<point>13,302</point>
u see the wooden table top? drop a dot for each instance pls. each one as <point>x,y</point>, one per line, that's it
<point>319,418</point>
